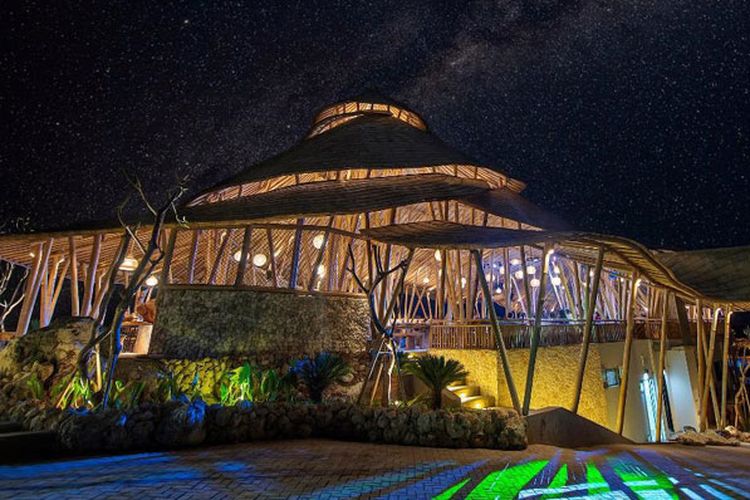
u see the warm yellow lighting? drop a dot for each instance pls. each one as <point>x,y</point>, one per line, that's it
<point>535,282</point>
<point>530,270</point>
<point>321,271</point>
<point>488,277</point>
<point>498,290</point>
<point>237,255</point>
<point>463,282</point>
<point>502,269</point>
<point>259,259</point>
<point>556,280</point>
<point>555,269</point>
<point>514,262</point>
<point>152,281</point>
<point>128,264</point>
<point>425,280</point>
<point>32,254</point>
<point>519,274</point>
<point>318,241</point>
<point>438,256</point>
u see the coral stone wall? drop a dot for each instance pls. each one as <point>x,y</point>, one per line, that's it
<point>554,380</point>
<point>197,322</point>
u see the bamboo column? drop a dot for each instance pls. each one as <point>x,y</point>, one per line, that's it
<point>75,307</point>
<point>293,275</point>
<point>507,288</point>
<point>537,328</point>
<point>242,265</point>
<point>700,349</point>
<point>88,293</point>
<point>587,327</point>
<point>167,261</point>
<point>630,324</point>
<point>499,342</point>
<point>660,368</point>
<point>725,367</point>
<point>193,255</point>
<point>33,281</point>
<point>526,289</point>
<point>708,381</point>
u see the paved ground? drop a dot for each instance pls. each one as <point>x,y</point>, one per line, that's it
<point>330,469</point>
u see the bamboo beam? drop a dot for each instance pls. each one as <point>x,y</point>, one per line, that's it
<point>320,254</point>
<point>725,366</point>
<point>526,288</point>
<point>700,348</point>
<point>219,256</point>
<point>660,368</point>
<point>88,293</point>
<point>499,342</point>
<point>536,332</point>
<point>507,286</point>
<point>587,327</point>
<point>75,306</point>
<point>630,323</point>
<point>272,257</point>
<point>244,254</point>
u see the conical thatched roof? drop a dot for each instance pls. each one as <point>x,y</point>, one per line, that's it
<point>370,141</point>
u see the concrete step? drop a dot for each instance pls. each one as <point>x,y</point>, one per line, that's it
<point>6,426</point>
<point>465,391</point>
<point>477,401</point>
<point>25,444</point>
<point>561,427</point>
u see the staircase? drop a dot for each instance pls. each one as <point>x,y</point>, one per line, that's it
<point>471,396</point>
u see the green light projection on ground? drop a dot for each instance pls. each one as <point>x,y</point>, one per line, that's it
<point>596,480</point>
<point>447,494</point>
<point>643,482</point>
<point>560,479</point>
<point>508,482</point>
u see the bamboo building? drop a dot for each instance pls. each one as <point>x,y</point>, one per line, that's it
<point>491,276</point>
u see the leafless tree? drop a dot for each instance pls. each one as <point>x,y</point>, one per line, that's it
<point>9,300</point>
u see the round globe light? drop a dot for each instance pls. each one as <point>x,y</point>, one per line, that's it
<point>321,271</point>
<point>318,241</point>
<point>152,281</point>
<point>530,270</point>
<point>425,280</point>
<point>237,256</point>
<point>535,282</point>
<point>518,274</point>
<point>438,256</point>
<point>259,259</point>
<point>514,262</point>
<point>556,280</point>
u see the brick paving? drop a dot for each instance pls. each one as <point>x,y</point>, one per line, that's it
<point>331,469</point>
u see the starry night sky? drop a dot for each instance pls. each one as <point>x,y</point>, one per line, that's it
<point>631,119</point>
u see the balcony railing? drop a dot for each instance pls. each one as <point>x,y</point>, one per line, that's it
<point>478,334</point>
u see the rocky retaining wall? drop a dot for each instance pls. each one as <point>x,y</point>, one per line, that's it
<point>197,322</point>
<point>184,423</point>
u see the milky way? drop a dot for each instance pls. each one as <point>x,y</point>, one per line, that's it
<point>630,118</point>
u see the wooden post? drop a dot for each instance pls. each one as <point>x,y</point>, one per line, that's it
<point>272,257</point>
<point>75,306</point>
<point>88,293</point>
<point>526,289</point>
<point>219,256</point>
<point>536,332</point>
<point>630,324</point>
<point>587,327</point>
<point>660,368</point>
<point>725,367</point>
<point>499,342</point>
<point>294,274</point>
<point>242,266</point>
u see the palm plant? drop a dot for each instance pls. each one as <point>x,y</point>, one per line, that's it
<point>437,373</point>
<point>320,372</point>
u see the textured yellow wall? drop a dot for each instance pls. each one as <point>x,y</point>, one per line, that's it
<point>554,381</point>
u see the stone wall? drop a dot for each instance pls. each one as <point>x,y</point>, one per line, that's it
<point>196,322</point>
<point>554,381</point>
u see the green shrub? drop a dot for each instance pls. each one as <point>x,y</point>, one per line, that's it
<point>250,383</point>
<point>436,373</point>
<point>320,372</point>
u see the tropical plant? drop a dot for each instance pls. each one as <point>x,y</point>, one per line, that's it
<point>320,372</point>
<point>35,387</point>
<point>127,395</point>
<point>437,373</point>
<point>250,383</point>
<point>74,391</point>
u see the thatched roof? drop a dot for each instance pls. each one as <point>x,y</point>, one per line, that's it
<point>620,253</point>
<point>723,274</point>
<point>338,197</point>
<point>371,141</point>
<point>508,203</point>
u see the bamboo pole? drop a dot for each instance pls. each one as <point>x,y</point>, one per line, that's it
<point>219,257</point>
<point>294,272</point>
<point>32,290</point>
<point>507,286</point>
<point>536,332</point>
<point>167,261</point>
<point>499,342</point>
<point>75,306</point>
<point>725,366</point>
<point>193,255</point>
<point>700,348</point>
<point>630,323</point>
<point>272,257</point>
<point>242,265</point>
<point>526,288</point>
<point>88,293</point>
<point>660,369</point>
<point>708,381</point>
<point>587,327</point>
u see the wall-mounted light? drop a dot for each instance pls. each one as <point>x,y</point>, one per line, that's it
<point>318,241</point>
<point>518,274</point>
<point>237,256</point>
<point>259,259</point>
